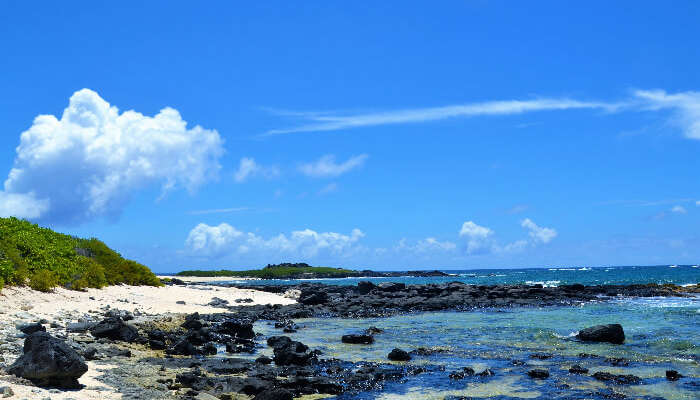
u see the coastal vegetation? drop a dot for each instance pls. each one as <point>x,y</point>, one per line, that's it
<point>278,271</point>
<point>44,259</point>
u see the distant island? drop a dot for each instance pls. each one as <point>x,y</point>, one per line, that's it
<point>303,271</point>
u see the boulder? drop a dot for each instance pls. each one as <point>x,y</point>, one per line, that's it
<point>48,361</point>
<point>399,355</point>
<point>292,353</point>
<point>238,328</point>
<point>115,328</point>
<point>358,339</point>
<point>612,333</point>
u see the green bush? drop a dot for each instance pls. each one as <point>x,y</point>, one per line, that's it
<point>43,281</point>
<point>27,249</point>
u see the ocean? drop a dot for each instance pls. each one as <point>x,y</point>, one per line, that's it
<point>662,334</point>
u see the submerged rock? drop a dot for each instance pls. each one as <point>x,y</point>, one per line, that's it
<point>538,373</point>
<point>619,379</point>
<point>48,361</point>
<point>399,355</point>
<point>577,369</point>
<point>612,333</point>
<point>672,375</point>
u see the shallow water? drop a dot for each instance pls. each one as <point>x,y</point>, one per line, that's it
<point>679,275</point>
<point>661,334</point>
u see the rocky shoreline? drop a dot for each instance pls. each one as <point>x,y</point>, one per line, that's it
<point>216,356</point>
<point>369,300</point>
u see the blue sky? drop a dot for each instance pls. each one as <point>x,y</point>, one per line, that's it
<point>465,134</point>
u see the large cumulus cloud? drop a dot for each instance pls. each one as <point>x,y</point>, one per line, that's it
<point>91,161</point>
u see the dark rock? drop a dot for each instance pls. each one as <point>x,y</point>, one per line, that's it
<point>466,371</point>
<point>612,333</point>
<point>79,327</point>
<point>90,354</point>
<point>486,373</point>
<point>48,361</point>
<point>123,314</point>
<point>358,339</point>
<point>274,394</point>
<point>183,348</point>
<point>263,360</point>
<point>238,328</point>
<point>313,297</point>
<point>6,391</point>
<point>209,349</point>
<point>114,328</point>
<point>28,329</point>
<point>156,344</point>
<point>619,379</point>
<point>541,356</point>
<point>373,330</point>
<point>289,352</point>
<point>577,369</point>
<point>365,287</point>
<point>192,321</point>
<point>617,362</point>
<point>391,286</point>
<point>399,355</point>
<point>672,375</point>
<point>181,302</point>
<point>538,373</point>
<point>278,341</point>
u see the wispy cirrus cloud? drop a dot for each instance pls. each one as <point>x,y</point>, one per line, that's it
<point>684,106</point>
<point>219,210</point>
<point>316,122</point>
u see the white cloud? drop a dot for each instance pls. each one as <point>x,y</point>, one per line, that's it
<point>538,234</point>
<point>679,210</point>
<point>478,237</point>
<point>248,168</point>
<point>428,246</point>
<point>330,188</point>
<point>697,203</point>
<point>89,163</point>
<point>685,105</point>
<point>21,205</point>
<point>224,239</point>
<point>324,122</point>
<point>327,167</point>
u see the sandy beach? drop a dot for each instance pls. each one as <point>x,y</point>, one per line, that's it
<point>24,305</point>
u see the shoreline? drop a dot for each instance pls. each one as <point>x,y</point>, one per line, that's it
<point>130,368</point>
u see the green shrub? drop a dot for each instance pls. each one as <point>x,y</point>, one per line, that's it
<point>27,249</point>
<point>43,281</point>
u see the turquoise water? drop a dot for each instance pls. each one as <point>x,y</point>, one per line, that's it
<point>661,334</point>
<point>680,275</point>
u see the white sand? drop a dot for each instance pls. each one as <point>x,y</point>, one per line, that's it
<point>152,300</point>
<point>27,305</point>
<point>204,279</point>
